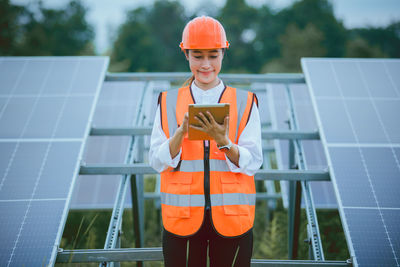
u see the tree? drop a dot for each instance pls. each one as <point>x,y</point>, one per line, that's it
<point>149,39</point>
<point>55,32</point>
<point>295,44</point>
<point>239,21</point>
<point>385,39</point>
<point>10,28</point>
<point>167,20</point>
<point>359,47</point>
<point>269,27</point>
<point>320,14</point>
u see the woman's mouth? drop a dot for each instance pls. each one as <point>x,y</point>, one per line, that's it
<point>205,73</point>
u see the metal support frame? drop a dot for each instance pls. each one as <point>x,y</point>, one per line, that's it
<point>270,186</point>
<point>155,254</point>
<point>316,243</point>
<point>298,176</point>
<point>293,209</point>
<point>229,78</point>
<point>265,134</point>
<point>263,174</point>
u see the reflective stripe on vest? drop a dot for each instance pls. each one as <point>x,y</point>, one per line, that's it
<point>232,195</point>
<point>198,165</point>
<point>216,199</point>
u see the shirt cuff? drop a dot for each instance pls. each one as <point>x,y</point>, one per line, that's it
<point>165,155</point>
<point>244,160</point>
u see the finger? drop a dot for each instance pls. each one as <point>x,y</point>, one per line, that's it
<point>210,117</point>
<point>199,120</point>
<point>226,124</point>
<point>226,121</point>
<point>203,118</point>
<point>185,118</point>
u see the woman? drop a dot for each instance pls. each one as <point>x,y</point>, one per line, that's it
<point>207,187</point>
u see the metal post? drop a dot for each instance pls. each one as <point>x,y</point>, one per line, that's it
<point>294,209</point>
<point>137,215</point>
<point>309,203</point>
<point>270,186</point>
<point>137,194</point>
<point>118,245</point>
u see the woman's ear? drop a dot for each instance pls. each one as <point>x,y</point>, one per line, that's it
<point>187,54</point>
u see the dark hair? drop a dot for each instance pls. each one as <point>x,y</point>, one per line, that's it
<point>188,81</point>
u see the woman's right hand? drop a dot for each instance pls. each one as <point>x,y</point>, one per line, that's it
<point>185,124</point>
<point>175,141</point>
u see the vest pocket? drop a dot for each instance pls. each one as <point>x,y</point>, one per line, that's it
<point>234,202</point>
<point>178,195</point>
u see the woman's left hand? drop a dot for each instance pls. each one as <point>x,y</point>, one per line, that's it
<point>219,132</point>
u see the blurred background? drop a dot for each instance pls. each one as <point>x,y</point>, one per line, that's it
<point>265,36</point>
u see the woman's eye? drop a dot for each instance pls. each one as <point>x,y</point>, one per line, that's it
<point>213,56</point>
<point>198,57</point>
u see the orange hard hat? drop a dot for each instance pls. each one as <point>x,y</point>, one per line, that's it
<point>203,33</point>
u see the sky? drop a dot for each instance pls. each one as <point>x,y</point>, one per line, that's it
<point>107,15</point>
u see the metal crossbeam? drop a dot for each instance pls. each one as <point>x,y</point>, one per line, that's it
<point>292,175</point>
<point>155,254</point>
<point>116,168</point>
<point>266,134</point>
<point>266,196</point>
<point>227,78</point>
<point>121,131</point>
<point>263,174</point>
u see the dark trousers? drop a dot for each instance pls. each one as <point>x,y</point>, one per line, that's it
<point>222,251</point>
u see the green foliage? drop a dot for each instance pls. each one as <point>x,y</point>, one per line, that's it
<point>10,28</point>
<point>382,40</point>
<point>262,39</point>
<point>239,20</point>
<point>149,39</point>
<point>320,14</point>
<point>45,32</point>
<point>359,47</point>
<point>295,44</point>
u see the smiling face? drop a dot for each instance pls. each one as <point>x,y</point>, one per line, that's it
<point>205,65</point>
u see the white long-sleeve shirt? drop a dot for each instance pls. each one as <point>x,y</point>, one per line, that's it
<point>249,143</point>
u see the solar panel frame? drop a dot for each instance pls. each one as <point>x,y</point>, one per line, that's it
<point>19,255</point>
<point>351,144</point>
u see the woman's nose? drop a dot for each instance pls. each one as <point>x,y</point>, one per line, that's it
<point>205,63</point>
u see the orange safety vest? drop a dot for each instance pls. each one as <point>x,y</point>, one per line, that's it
<point>202,177</point>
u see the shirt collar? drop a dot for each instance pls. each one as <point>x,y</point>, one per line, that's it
<point>212,91</point>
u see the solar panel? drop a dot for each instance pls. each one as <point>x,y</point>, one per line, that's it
<point>46,106</point>
<point>356,103</point>
<point>322,191</point>
<point>115,108</point>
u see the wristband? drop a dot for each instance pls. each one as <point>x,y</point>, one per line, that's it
<point>225,147</point>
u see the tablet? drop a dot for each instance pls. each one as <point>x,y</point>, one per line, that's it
<point>218,111</point>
